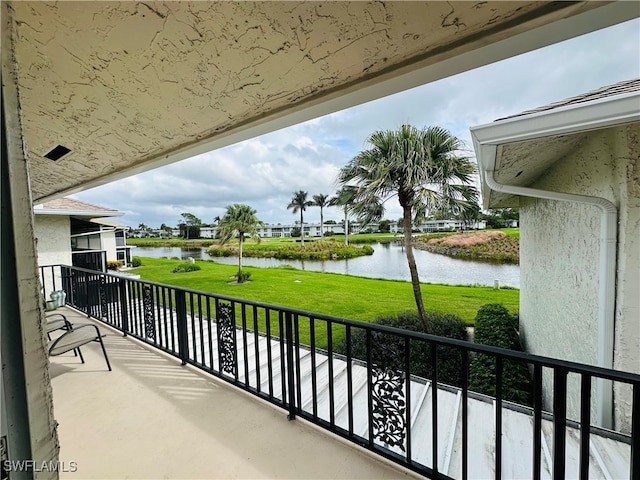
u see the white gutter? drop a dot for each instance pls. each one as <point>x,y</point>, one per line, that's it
<point>575,118</point>
<point>606,282</point>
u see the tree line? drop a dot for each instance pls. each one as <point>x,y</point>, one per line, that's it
<point>190,225</point>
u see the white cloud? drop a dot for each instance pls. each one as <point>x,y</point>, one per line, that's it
<point>265,171</point>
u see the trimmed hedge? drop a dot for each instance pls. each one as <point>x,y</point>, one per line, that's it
<point>392,347</point>
<point>186,267</point>
<point>113,264</point>
<point>136,261</point>
<point>495,326</point>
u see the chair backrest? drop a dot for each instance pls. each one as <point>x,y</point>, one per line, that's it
<point>57,321</point>
<point>74,338</point>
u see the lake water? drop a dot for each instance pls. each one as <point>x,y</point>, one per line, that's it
<point>388,261</point>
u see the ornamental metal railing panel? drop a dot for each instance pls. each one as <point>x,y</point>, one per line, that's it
<point>401,394</point>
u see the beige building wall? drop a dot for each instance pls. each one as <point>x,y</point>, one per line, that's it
<point>109,244</point>
<point>559,261</point>
<point>53,245</point>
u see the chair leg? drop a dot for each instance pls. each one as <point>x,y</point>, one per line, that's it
<point>80,354</point>
<point>104,351</point>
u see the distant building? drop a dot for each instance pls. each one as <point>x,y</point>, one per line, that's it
<point>71,232</point>
<point>279,230</point>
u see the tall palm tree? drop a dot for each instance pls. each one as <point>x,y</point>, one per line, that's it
<point>423,169</point>
<point>239,221</point>
<point>344,198</point>
<point>299,203</point>
<point>321,201</point>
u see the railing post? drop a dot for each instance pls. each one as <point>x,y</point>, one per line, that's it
<point>67,284</point>
<point>291,383</point>
<point>124,309</point>
<point>559,422</point>
<point>537,421</point>
<point>181,313</point>
<point>635,432</point>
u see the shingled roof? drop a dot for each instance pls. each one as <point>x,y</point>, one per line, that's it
<point>619,88</point>
<point>71,206</point>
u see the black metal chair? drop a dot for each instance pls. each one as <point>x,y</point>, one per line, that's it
<point>74,337</point>
<point>56,321</point>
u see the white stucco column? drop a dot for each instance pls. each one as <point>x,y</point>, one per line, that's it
<point>27,403</point>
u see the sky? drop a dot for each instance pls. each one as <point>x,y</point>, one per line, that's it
<point>263,172</point>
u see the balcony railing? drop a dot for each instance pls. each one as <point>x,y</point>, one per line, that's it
<point>357,380</point>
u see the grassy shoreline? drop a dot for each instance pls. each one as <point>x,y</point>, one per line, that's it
<point>346,296</point>
<point>484,246</point>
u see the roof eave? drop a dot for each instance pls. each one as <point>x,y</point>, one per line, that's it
<point>569,120</point>
<point>79,213</point>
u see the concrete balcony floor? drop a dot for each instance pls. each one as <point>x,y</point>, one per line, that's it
<point>153,418</point>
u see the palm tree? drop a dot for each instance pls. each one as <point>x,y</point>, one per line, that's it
<point>239,221</point>
<point>166,230</point>
<point>420,167</point>
<point>299,203</point>
<point>344,198</point>
<point>321,201</point>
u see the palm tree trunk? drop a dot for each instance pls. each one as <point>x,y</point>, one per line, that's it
<point>415,281</point>
<point>346,227</point>
<point>301,229</point>
<point>240,259</point>
<point>321,224</point>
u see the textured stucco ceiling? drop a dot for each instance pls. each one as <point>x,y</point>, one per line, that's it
<point>128,86</point>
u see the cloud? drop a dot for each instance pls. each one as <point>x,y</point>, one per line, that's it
<point>265,171</point>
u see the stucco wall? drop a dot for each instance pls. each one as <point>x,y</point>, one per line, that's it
<point>559,260</point>
<point>109,244</point>
<point>53,243</point>
<point>627,335</point>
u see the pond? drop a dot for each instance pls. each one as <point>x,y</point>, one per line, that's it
<point>388,261</point>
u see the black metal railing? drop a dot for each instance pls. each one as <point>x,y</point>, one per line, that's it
<point>359,380</point>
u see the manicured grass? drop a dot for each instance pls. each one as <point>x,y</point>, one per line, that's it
<point>356,298</point>
<point>510,232</point>
<point>170,242</point>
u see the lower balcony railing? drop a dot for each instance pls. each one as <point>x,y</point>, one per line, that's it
<point>376,386</point>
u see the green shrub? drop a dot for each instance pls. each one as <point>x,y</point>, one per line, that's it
<point>242,276</point>
<point>136,261</point>
<point>495,326</point>
<point>218,251</point>
<point>440,324</point>
<point>186,267</point>
<point>113,264</point>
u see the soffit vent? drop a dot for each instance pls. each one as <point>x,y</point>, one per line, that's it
<point>57,152</point>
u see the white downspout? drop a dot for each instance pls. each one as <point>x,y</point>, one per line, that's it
<point>607,279</point>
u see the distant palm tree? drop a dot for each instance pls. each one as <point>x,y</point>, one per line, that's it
<point>422,168</point>
<point>321,201</point>
<point>344,198</point>
<point>299,203</point>
<point>239,221</point>
<point>166,230</point>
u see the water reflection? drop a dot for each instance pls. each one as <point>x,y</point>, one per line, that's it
<point>388,261</point>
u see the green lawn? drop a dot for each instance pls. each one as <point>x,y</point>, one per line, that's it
<point>344,296</point>
<point>510,232</point>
